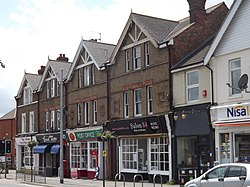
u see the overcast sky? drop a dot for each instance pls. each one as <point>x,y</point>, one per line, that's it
<point>33,30</point>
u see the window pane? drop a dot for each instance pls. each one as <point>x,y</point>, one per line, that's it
<point>193,94</point>
<point>193,78</point>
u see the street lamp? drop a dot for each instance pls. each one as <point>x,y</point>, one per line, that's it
<point>61,128</point>
<point>2,64</point>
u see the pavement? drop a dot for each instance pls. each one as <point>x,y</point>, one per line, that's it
<point>67,182</point>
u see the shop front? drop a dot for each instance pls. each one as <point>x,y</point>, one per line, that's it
<point>232,132</point>
<point>143,147</point>
<point>23,152</point>
<point>194,141</point>
<point>85,152</point>
<point>48,152</point>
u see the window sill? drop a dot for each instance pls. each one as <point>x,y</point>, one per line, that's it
<point>235,96</point>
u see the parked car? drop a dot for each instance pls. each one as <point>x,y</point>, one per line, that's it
<point>224,175</point>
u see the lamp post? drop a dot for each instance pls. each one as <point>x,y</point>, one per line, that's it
<point>5,157</point>
<point>61,128</point>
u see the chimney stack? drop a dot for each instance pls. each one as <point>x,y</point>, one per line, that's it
<point>62,57</point>
<point>41,70</point>
<point>197,11</point>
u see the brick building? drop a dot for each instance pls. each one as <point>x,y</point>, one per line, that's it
<point>7,138</point>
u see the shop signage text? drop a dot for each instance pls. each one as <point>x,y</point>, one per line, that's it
<point>83,135</point>
<point>150,125</point>
<point>48,138</point>
<point>233,112</point>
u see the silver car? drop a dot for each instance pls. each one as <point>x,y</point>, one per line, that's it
<point>224,175</point>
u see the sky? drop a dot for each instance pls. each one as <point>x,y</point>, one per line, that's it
<point>31,31</point>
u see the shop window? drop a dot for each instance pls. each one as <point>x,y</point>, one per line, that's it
<point>225,148</point>
<point>129,153</point>
<point>186,151</point>
<point>75,155</point>
<point>242,148</point>
<point>26,156</point>
<point>159,154</point>
<point>84,155</point>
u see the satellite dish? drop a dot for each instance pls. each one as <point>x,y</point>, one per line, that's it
<point>243,81</point>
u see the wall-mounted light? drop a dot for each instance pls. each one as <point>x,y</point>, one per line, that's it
<point>175,116</point>
<point>183,115</point>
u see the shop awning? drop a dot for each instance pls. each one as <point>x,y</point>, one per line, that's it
<point>39,148</point>
<point>54,149</point>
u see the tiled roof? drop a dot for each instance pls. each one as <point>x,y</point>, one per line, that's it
<point>33,80</point>
<point>101,52</point>
<point>9,115</point>
<point>156,27</point>
<point>195,56</point>
<point>58,65</point>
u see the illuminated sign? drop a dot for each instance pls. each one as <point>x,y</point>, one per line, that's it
<point>238,111</point>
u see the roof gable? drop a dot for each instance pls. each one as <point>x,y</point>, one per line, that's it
<point>29,80</point>
<point>154,30</point>
<point>53,70</point>
<point>234,8</point>
<point>91,52</point>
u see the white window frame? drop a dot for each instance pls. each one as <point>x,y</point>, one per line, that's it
<point>86,113</point>
<point>129,154</point>
<point>27,95</point>
<point>79,114</point>
<point>47,90</point>
<point>138,102</point>
<point>150,100</point>
<point>126,104</point>
<point>52,87</point>
<point>146,51</point>
<point>191,86</point>
<point>93,74</point>
<point>127,60</point>
<point>47,121</point>
<point>52,120</point>
<point>93,145</point>
<point>58,119</point>
<point>234,83</point>
<point>137,57</point>
<point>86,76</point>
<point>95,111</point>
<point>80,78</point>
<point>32,120</point>
<point>159,147</point>
<point>23,128</point>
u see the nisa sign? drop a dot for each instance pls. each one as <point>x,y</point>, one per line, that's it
<point>238,111</point>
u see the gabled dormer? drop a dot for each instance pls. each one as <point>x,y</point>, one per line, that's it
<point>91,56</point>
<point>28,86</point>
<point>49,84</point>
<point>139,39</point>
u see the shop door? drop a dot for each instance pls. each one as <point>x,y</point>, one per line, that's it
<point>203,158</point>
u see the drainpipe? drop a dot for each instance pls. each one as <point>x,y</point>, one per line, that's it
<point>211,134</point>
<point>171,107</point>
<point>212,83</point>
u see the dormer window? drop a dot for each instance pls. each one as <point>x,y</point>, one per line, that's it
<point>27,95</point>
<point>137,57</point>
